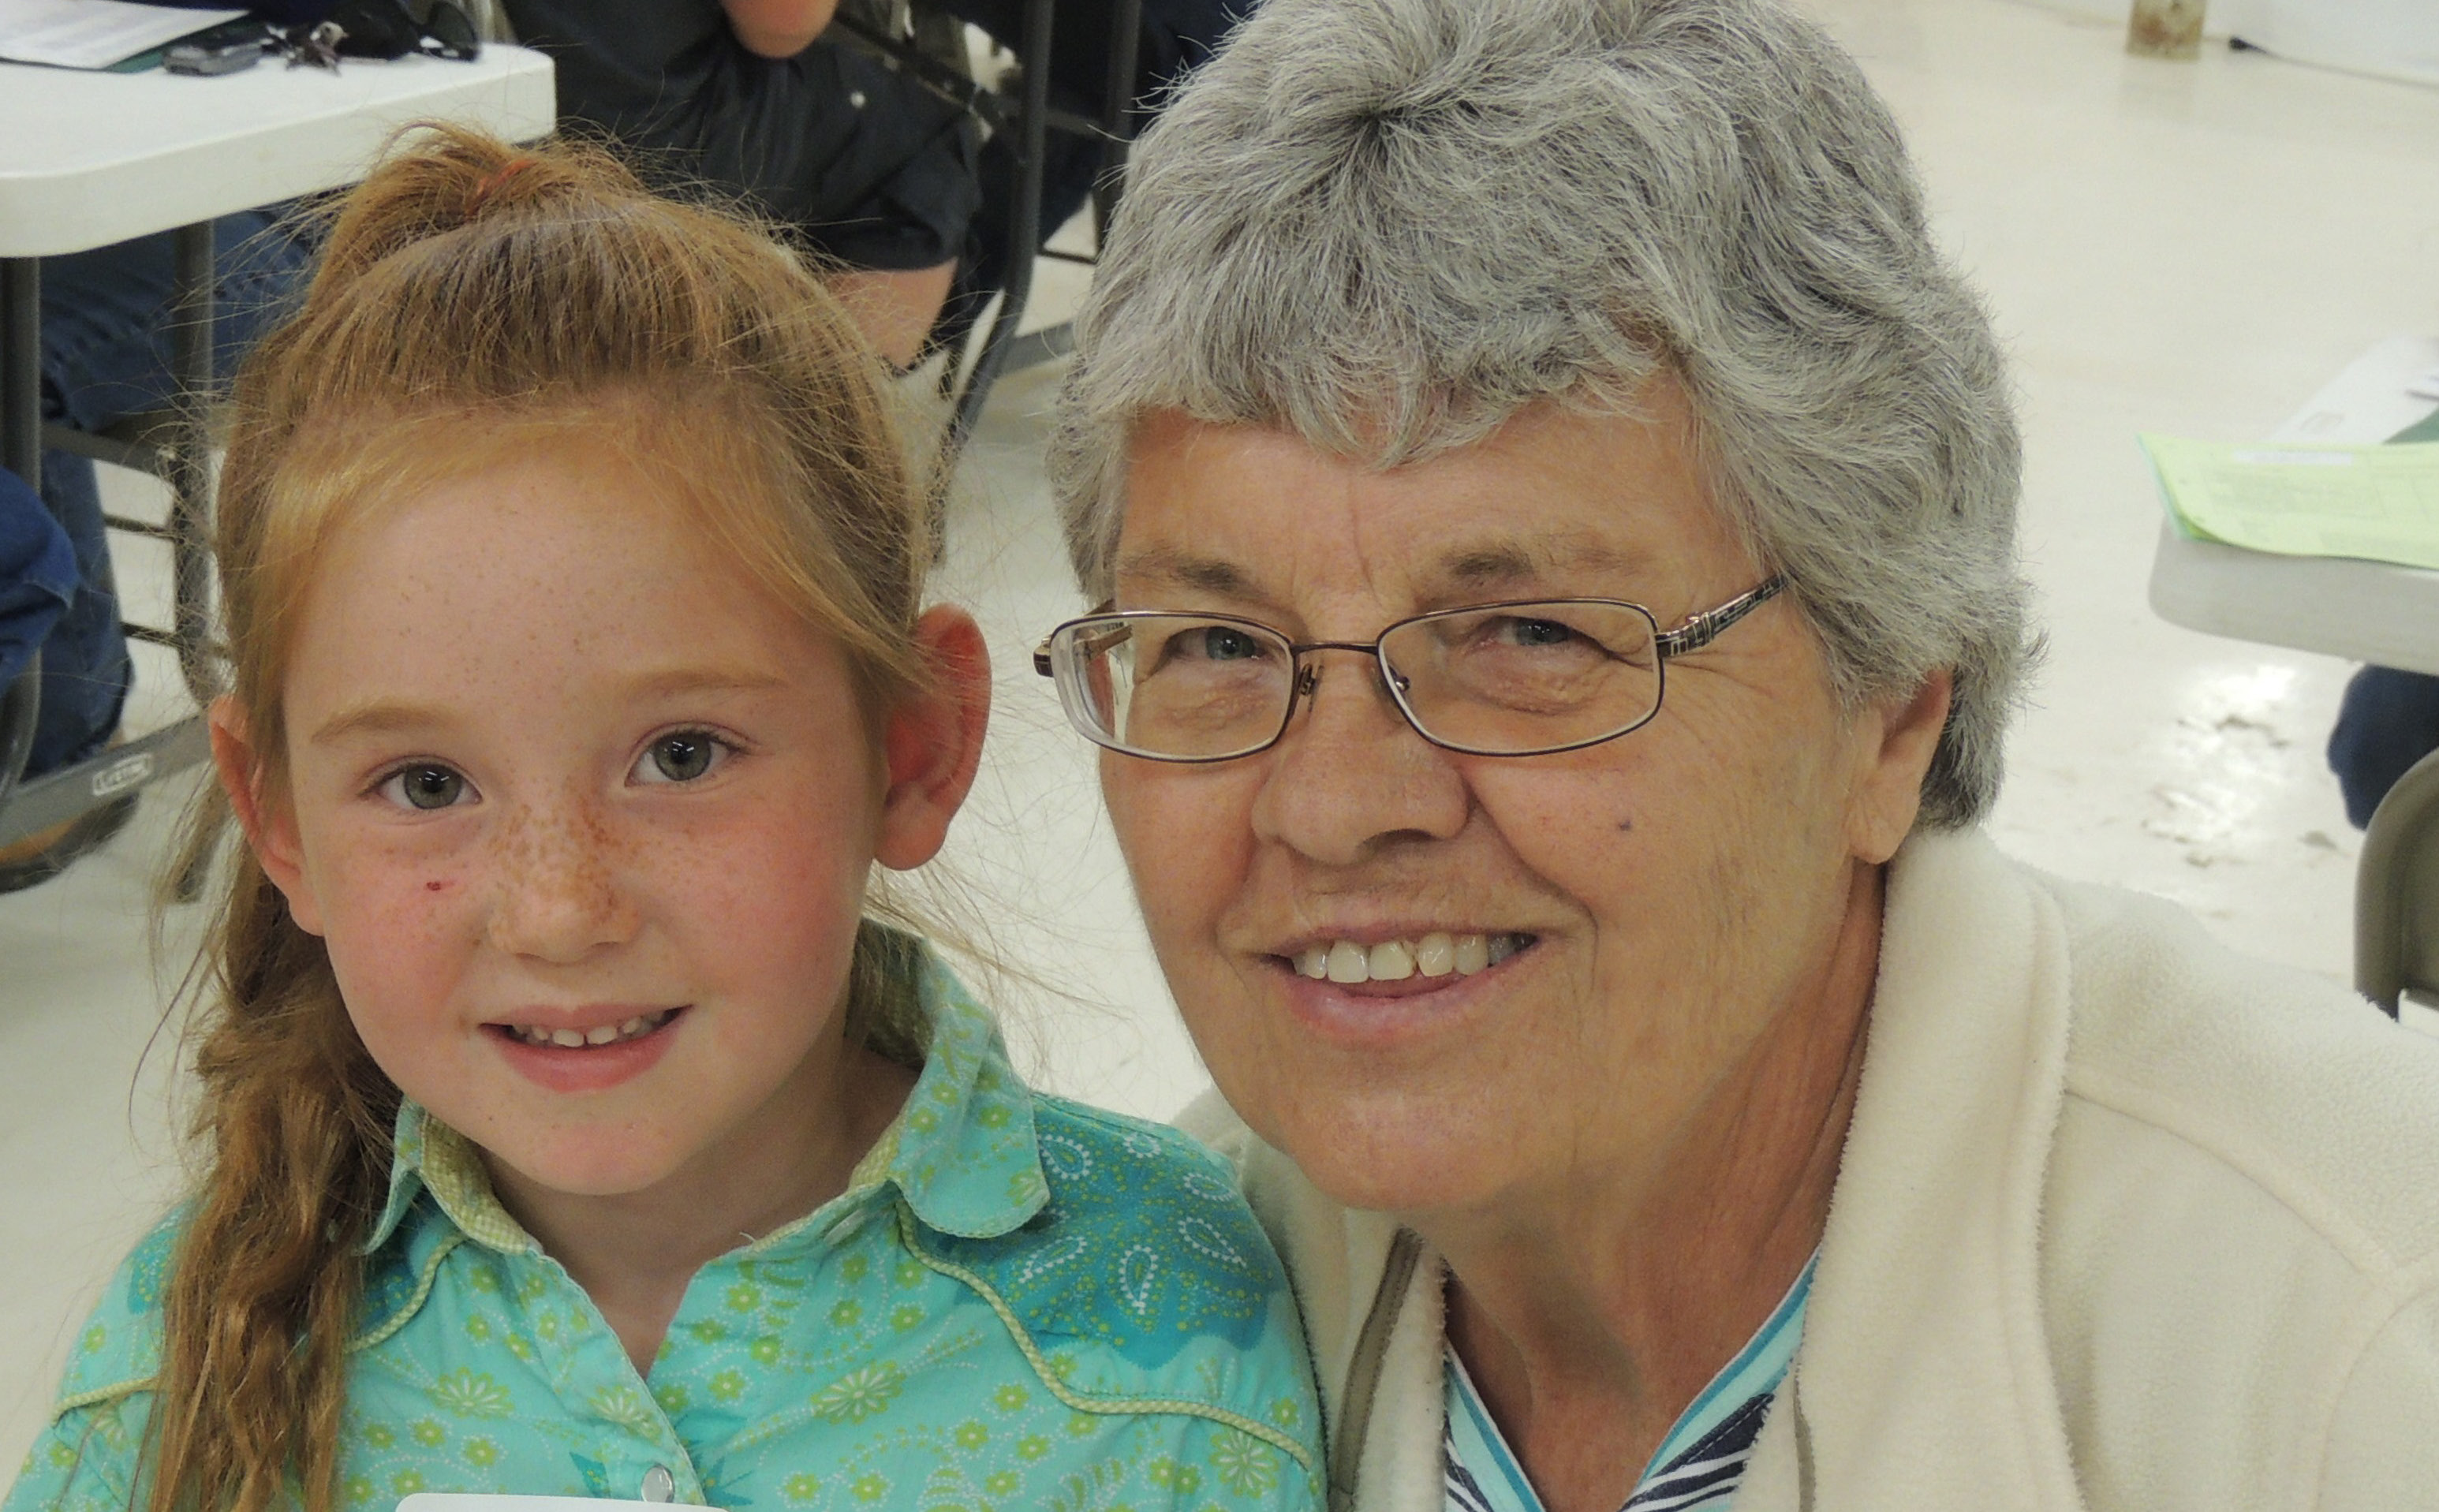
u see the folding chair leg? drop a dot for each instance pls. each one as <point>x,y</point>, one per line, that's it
<point>20,703</point>
<point>2397,889</point>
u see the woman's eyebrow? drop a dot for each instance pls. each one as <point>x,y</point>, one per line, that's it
<point>1491,562</point>
<point>1172,567</point>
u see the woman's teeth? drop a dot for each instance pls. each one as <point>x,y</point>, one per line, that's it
<point>642,1024</point>
<point>1436,954</point>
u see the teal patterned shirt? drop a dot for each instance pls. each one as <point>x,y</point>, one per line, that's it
<point>1019,1303</point>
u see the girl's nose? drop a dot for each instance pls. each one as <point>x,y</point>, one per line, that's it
<point>557,896</point>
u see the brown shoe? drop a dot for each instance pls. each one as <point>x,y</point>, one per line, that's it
<point>46,853</point>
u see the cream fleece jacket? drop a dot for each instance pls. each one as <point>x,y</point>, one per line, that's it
<point>2124,1221</point>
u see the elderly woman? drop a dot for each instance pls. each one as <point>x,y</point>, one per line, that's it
<point>1553,510</point>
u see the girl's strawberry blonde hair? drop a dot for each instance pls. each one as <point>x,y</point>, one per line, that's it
<point>474,298</point>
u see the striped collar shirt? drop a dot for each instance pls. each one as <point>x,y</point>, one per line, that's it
<point>1697,1467</point>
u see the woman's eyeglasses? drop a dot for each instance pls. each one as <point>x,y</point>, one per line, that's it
<point>1512,679</point>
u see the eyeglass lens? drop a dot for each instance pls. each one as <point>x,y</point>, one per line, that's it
<point>1506,679</point>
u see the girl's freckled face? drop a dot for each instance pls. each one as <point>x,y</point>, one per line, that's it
<point>555,762</point>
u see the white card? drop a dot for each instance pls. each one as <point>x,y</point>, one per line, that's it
<point>484,1502</point>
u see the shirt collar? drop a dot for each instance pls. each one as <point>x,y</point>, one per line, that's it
<point>962,1151</point>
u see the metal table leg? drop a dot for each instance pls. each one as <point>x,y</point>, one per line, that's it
<point>30,807</point>
<point>1025,231</point>
<point>1126,40</point>
<point>21,452</point>
<point>21,367</point>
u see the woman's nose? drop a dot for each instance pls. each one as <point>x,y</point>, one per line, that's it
<point>558,895</point>
<point>1350,772</point>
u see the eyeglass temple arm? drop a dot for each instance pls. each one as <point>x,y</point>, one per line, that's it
<point>1702,629</point>
<point>1042,663</point>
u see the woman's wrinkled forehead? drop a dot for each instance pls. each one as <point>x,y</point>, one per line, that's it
<point>1560,500</point>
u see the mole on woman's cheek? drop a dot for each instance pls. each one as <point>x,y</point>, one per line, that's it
<point>437,884</point>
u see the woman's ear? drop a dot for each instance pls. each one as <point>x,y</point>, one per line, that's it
<point>932,744</point>
<point>269,824</point>
<point>1900,738</point>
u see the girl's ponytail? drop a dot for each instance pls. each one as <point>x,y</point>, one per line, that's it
<point>263,1289</point>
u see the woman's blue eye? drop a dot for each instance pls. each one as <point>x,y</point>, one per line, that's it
<point>680,757</point>
<point>1539,632</point>
<point>424,787</point>
<point>1222,644</point>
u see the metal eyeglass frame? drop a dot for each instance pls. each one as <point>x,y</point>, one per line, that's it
<point>1698,630</point>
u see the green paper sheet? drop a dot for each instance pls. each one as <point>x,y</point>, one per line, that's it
<point>2376,501</point>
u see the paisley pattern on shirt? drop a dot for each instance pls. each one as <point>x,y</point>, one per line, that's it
<point>1017,1302</point>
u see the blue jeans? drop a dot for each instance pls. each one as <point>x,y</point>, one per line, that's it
<point>2388,721</point>
<point>106,330</point>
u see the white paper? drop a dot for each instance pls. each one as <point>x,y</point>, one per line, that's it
<point>94,33</point>
<point>2370,401</point>
<point>494,1501</point>
<point>2424,385</point>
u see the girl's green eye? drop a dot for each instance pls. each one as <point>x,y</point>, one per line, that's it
<point>680,757</point>
<point>427,787</point>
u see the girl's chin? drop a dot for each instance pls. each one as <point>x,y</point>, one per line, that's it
<point>587,1165</point>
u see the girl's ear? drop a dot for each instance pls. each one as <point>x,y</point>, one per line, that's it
<point>932,744</point>
<point>270,827</point>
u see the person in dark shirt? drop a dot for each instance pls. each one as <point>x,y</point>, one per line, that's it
<point>766,99</point>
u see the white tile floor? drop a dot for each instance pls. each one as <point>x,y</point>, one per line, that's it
<point>2190,248</point>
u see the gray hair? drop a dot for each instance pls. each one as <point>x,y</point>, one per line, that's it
<point>1391,225</point>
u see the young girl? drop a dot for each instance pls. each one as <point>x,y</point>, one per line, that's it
<point>569,1129</point>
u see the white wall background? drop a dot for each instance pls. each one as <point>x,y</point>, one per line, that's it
<point>2396,38</point>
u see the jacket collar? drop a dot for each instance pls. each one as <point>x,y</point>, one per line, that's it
<point>1924,1376</point>
<point>961,1151</point>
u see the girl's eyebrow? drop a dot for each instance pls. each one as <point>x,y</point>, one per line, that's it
<point>390,716</point>
<point>379,718</point>
<point>678,680</point>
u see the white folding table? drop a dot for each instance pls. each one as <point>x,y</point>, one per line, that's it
<point>2369,611</point>
<point>2365,611</point>
<point>88,159</point>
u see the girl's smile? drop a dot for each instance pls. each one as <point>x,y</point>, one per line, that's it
<point>590,1050</point>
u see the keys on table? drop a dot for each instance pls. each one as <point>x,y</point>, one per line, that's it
<point>315,46</point>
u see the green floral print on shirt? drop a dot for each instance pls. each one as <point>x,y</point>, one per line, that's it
<point>1019,1303</point>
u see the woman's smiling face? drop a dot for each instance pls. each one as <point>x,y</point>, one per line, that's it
<point>584,818</point>
<point>1646,906</point>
